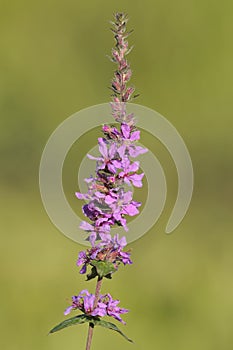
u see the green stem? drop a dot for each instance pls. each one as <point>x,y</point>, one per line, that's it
<point>91,325</point>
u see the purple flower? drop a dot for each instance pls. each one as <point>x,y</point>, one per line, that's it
<point>105,305</point>
<point>117,244</point>
<point>91,211</point>
<point>108,155</point>
<point>111,307</point>
<point>85,302</point>
<point>85,258</point>
<point>128,135</point>
<point>116,241</point>
<point>122,203</point>
<point>97,211</point>
<point>101,225</point>
<point>77,302</point>
<point>125,258</point>
<point>100,310</point>
<point>128,173</point>
<point>92,189</point>
<point>88,303</point>
<point>128,142</point>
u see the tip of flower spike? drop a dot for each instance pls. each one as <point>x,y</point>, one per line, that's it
<point>121,16</point>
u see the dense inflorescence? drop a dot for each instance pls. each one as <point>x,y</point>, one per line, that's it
<point>109,201</point>
<point>109,198</point>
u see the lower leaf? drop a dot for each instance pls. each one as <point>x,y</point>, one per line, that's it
<point>71,322</point>
<point>111,326</point>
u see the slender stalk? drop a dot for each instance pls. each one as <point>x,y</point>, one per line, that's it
<point>91,325</point>
<point>89,336</point>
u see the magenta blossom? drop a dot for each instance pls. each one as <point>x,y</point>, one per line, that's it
<point>108,154</point>
<point>85,303</point>
<point>105,305</point>
<point>129,138</point>
<point>111,307</point>
<point>128,173</point>
<point>94,230</point>
<point>122,203</point>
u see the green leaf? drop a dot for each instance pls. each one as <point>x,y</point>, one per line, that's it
<point>71,322</point>
<point>80,319</point>
<point>111,326</point>
<point>103,268</point>
<point>92,274</point>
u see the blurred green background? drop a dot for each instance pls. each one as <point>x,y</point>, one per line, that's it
<point>53,63</point>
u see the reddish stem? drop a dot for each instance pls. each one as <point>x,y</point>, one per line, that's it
<point>91,325</point>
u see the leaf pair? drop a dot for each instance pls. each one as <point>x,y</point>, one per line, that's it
<point>80,319</point>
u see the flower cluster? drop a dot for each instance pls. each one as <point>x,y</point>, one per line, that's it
<point>110,249</point>
<point>105,306</point>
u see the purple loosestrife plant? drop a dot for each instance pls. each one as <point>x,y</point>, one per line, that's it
<point>109,198</point>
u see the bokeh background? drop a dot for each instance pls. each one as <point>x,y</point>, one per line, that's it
<point>53,63</point>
